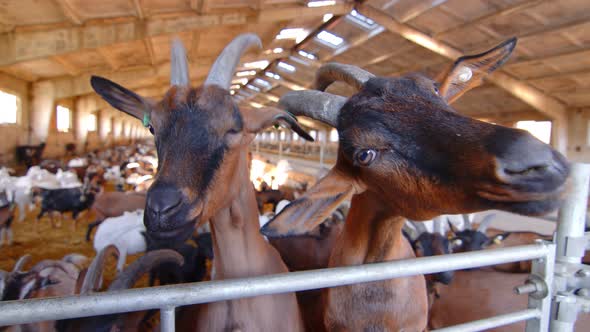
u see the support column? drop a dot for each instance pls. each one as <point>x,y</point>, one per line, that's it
<point>559,134</point>
<point>43,105</point>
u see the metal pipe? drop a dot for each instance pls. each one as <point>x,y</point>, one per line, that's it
<point>488,323</point>
<point>571,246</point>
<point>19,312</point>
<point>167,319</point>
<point>572,215</point>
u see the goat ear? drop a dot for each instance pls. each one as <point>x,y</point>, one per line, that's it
<point>121,98</point>
<point>469,71</point>
<point>257,119</point>
<point>302,215</point>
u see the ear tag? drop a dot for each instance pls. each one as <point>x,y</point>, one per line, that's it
<point>465,74</point>
<point>146,119</point>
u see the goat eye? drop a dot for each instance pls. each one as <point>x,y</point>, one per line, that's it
<point>436,90</point>
<point>366,157</point>
<point>151,129</point>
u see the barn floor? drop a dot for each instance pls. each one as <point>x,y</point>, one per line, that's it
<point>52,243</point>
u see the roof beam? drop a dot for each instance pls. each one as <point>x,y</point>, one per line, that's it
<point>69,12</point>
<point>29,44</point>
<point>68,66</point>
<point>491,16</point>
<point>138,9</point>
<point>548,105</point>
<point>108,57</point>
<point>150,50</point>
<point>410,9</point>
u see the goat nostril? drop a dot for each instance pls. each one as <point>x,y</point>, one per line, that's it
<point>526,171</point>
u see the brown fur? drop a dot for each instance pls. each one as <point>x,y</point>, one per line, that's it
<point>429,161</point>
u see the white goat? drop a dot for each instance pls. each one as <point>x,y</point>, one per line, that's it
<point>125,232</point>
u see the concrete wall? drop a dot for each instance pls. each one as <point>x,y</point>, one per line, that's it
<point>18,134</point>
<point>37,122</point>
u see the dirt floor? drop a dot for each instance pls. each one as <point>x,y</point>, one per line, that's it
<point>53,242</point>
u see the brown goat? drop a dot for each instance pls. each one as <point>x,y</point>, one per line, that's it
<point>312,252</point>
<point>405,152</point>
<point>202,140</point>
<point>114,204</point>
<point>48,278</point>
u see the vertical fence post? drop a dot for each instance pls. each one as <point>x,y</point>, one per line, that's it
<point>542,276</point>
<point>570,248</point>
<point>167,319</point>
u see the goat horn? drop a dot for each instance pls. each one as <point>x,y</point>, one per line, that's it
<point>144,264</point>
<point>178,65</point>
<point>320,106</point>
<point>483,226</point>
<point>21,262</point>
<point>349,74</point>
<point>222,70</point>
<point>94,274</point>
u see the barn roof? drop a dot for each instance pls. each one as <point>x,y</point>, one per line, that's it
<point>66,41</point>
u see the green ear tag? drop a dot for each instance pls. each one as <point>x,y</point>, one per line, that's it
<point>146,119</point>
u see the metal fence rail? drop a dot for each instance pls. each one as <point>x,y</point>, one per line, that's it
<point>18,312</point>
<point>167,298</point>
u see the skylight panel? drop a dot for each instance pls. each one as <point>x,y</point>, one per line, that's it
<point>307,55</point>
<point>253,87</point>
<point>257,105</point>
<point>286,67</point>
<point>262,83</point>
<point>365,22</point>
<point>241,81</point>
<point>330,39</point>
<point>257,64</point>
<point>293,33</point>
<point>246,73</point>
<point>272,75</point>
<point>321,3</point>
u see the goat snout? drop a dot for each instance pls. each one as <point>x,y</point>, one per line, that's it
<point>163,201</point>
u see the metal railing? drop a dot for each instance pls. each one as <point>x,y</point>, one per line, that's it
<point>543,291</point>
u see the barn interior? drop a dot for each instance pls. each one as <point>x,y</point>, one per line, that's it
<point>50,116</point>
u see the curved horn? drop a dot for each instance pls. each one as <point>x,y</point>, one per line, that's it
<point>93,276</point>
<point>77,260</point>
<point>178,64</point>
<point>144,264</point>
<point>349,74</point>
<point>222,70</point>
<point>21,262</point>
<point>321,106</point>
<point>483,226</point>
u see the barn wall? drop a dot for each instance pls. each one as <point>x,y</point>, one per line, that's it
<point>13,135</point>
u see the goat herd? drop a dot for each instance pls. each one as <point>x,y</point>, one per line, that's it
<point>404,153</point>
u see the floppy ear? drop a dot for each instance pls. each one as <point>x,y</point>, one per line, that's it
<point>257,119</point>
<point>121,98</point>
<point>302,215</point>
<point>469,71</point>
